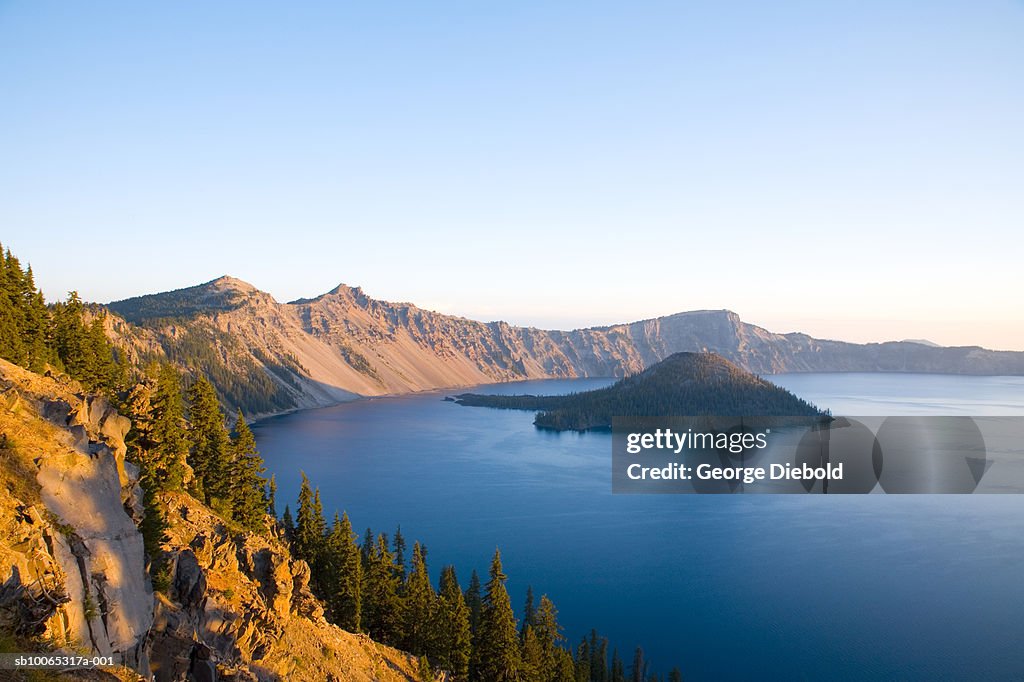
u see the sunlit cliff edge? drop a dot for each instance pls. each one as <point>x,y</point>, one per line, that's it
<point>74,577</point>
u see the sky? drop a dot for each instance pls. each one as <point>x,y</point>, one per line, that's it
<point>850,169</point>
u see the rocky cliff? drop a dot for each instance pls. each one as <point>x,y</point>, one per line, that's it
<point>74,576</point>
<point>268,356</point>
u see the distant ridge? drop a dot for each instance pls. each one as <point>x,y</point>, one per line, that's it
<point>683,384</point>
<point>270,357</point>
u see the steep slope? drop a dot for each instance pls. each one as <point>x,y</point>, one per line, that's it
<point>73,572</point>
<point>268,357</point>
<point>682,384</point>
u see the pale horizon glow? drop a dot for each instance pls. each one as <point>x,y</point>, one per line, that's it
<point>847,170</point>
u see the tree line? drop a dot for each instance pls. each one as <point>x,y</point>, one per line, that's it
<point>36,336</point>
<point>471,633</point>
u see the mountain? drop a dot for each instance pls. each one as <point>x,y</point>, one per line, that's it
<point>74,576</point>
<point>682,384</point>
<point>269,357</point>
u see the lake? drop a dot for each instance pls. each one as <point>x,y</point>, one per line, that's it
<point>724,586</point>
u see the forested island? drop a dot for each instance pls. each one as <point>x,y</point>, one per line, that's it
<point>681,384</point>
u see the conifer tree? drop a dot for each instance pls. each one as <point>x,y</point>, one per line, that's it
<point>209,454</point>
<point>498,656</point>
<point>533,667</point>
<point>382,607</point>
<point>452,637</point>
<point>583,661</point>
<point>289,525</point>
<point>618,668</point>
<point>344,575</point>
<point>598,657</point>
<point>418,604</point>
<point>564,671</point>
<point>398,543</point>
<point>367,548</point>
<point>475,603</point>
<point>675,676</point>
<point>639,666</point>
<point>248,487</point>
<point>528,609</point>
<point>169,450</point>
<point>549,638</point>
<point>309,525</point>
<point>272,496</point>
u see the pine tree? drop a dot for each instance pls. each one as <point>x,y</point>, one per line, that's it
<point>618,668</point>
<point>639,666</point>
<point>533,667</point>
<point>382,607</point>
<point>675,676</point>
<point>583,661</point>
<point>209,454</point>
<point>272,496</point>
<point>475,604</point>
<point>367,548</point>
<point>248,487</point>
<point>344,575</point>
<point>398,543</point>
<point>549,637</point>
<point>564,671</point>
<point>309,527</point>
<point>169,452</point>
<point>419,604</point>
<point>598,657</point>
<point>499,659</point>
<point>528,609</point>
<point>289,525</point>
<point>452,637</point>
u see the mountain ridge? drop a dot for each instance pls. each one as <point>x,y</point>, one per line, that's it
<point>272,357</point>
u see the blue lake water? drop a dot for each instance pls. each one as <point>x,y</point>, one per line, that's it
<point>725,587</point>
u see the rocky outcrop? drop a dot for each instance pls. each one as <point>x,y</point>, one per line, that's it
<point>316,352</point>
<point>241,608</point>
<point>71,557</point>
<point>73,571</point>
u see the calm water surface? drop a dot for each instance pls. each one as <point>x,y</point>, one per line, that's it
<point>726,587</point>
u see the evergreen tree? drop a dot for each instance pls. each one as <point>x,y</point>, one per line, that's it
<point>167,457</point>
<point>248,487</point>
<point>309,527</point>
<point>583,661</point>
<point>533,666</point>
<point>549,638</point>
<point>639,666</point>
<point>367,549</point>
<point>452,637</point>
<point>209,452</point>
<point>675,676</point>
<point>272,496</point>
<point>69,335</point>
<point>398,543</point>
<point>475,604</point>
<point>565,671</point>
<point>289,525</point>
<point>618,668</point>
<point>382,607</point>
<point>598,658</point>
<point>344,575</point>
<point>528,609</point>
<point>498,640</point>
<point>418,604</point>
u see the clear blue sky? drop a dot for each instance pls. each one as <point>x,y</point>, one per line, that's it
<point>853,169</point>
